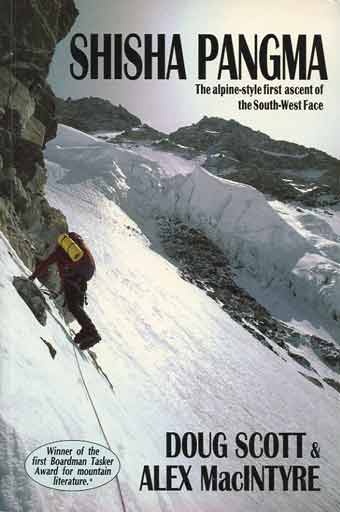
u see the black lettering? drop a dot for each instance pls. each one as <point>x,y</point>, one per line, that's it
<point>311,477</point>
<point>146,479</point>
<point>274,58</point>
<point>133,57</point>
<point>209,478</point>
<point>320,65</point>
<point>228,50</point>
<point>242,450</point>
<point>291,60</point>
<point>203,56</point>
<point>159,54</point>
<point>79,56</point>
<point>220,449</point>
<point>245,53</point>
<point>105,54</point>
<point>185,477</point>
<point>271,445</point>
<point>173,444</point>
<point>176,54</point>
<point>118,64</point>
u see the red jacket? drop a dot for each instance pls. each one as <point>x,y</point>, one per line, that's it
<point>84,267</point>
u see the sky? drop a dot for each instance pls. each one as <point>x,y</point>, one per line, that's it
<point>169,104</point>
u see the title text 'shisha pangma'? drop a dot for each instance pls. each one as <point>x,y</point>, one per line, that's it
<point>161,56</point>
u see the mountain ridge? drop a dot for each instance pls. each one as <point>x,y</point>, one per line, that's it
<point>92,114</point>
<point>284,170</point>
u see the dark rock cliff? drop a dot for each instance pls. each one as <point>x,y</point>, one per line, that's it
<point>95,114</point>
<point>29,32</point>
<point>284,170</point>
<point>143,134</point>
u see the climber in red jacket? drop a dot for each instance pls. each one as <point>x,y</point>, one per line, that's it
<point>76,267</point>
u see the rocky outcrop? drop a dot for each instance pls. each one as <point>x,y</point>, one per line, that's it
<point>143,133</point>
<point>94,114</point>
<point>50,347</point>
<point>204,265</point>
<point>33,298</point>
<point>333,383</point>
<point>29,32</point>
<point>313,380</point>
<point>327,351</point>
<point>284,170</point>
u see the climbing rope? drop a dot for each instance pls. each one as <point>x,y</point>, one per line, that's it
<point>99,423</point>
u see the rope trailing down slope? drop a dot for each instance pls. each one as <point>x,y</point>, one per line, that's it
<point>100,424</point>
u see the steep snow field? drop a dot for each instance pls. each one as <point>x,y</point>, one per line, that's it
<point>176,360</point>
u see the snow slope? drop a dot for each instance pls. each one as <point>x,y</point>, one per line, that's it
<point>177,361</point>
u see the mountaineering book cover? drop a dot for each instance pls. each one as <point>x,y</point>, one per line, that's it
<point>170,256</point>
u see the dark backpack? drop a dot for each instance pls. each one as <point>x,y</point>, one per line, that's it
<point>86,266</point>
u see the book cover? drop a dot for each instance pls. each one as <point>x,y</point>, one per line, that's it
<point>170,256</point>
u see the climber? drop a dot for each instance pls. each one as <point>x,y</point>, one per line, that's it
<point>76,267</point>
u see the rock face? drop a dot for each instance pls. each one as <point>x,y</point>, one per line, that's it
<point>143,133</point>
<point>94,114</point>
<point>27,119</point>
<point>284,170</point>
<point>333,383</point>
<point>327,351</point>
<point>204,265</point>
<point>33,298</point>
